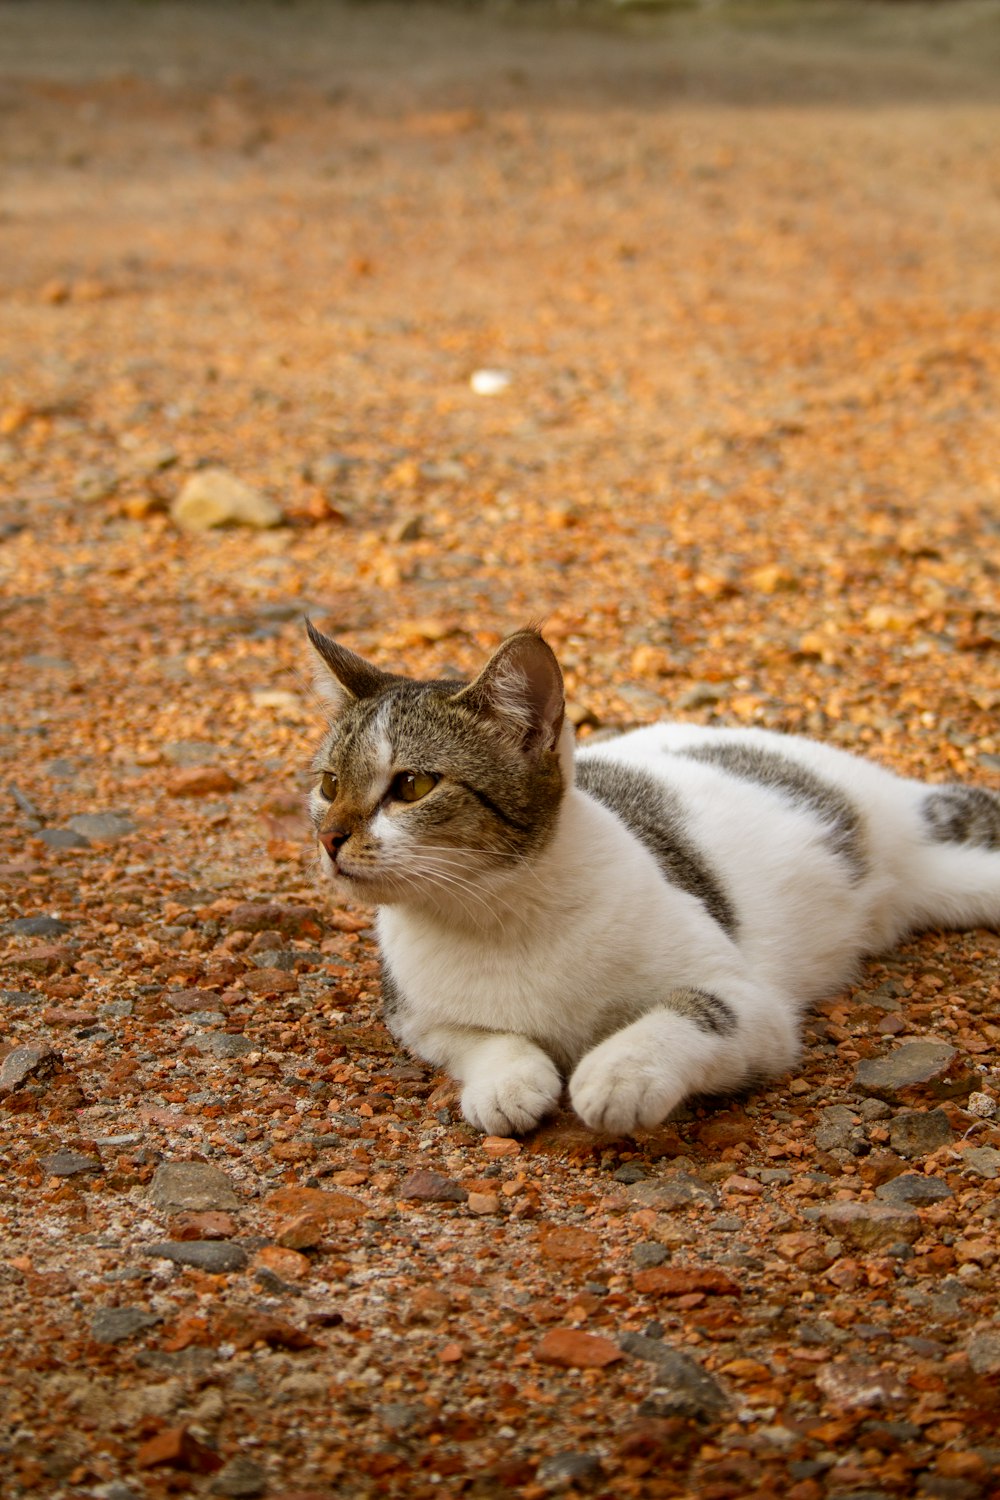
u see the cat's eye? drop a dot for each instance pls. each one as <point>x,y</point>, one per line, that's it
<point>328,786</point>
<point>410,786</point>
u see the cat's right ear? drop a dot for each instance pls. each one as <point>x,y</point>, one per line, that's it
<point>343,677</point>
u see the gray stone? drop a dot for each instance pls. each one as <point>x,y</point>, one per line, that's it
<point>62,838</point>
<point>870,1226</point>
<point>836,1128</point>
<point>223,1044</point>
<point>676,1191</point>
<point>569,1470</point>
<point>404,1416</point>
<point>215,497</point>
<point>35,927</point>
<point>683,1388</point>
<point>984,1352</point>
<point>650,1253</point>
<point>913,1187</point>
<point>918,1132</point>
<point>111,1325</point>
<point>69,1163</point>
<point>932,1067</point>
<point>631,1172</point>
<point>424,1186</point>
<point>849,1387</point>
<point>985,1160</point>
<point>242,1477</point>
<point>102,827</point>
<point>33,1060</point>
<point>191,1184</point>
<point>18,997</point>
<point>275,958</point>
<point>214,1256</point>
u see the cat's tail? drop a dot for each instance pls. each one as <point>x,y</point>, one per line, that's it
<point>951,876</point>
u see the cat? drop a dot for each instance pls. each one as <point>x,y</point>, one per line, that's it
<point>645,917</point>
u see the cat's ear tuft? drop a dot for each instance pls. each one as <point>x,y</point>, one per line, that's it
<point>521,689</point>
<point>343,677</point>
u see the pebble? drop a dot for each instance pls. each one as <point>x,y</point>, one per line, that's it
<point>111,1325</point>
<point>918,1132</point>
<point>915,1067</point>
<point>103,827</point>
<point>242,1477</point>
<point>984,1352</point>
<point>215,497</point>
<point>984,1106</point>
<point>215,1256</point>
<point>223,1044</point>
<point>913,1187</point>
<point>267,916</point>
<point>62,838</point>
<point>564,1471</point>
<point>682,1388</point>
<point>572,1349</point>
<point>985,1160</point>
<point>871,1226</point>
<point>69,1163</point>
<point>191,1184</point>
<point>35,927</point>
<point>489,382</point>
<point>838,1128</point>
<point>423,1186</point>
<point>650,1254</point>
<point>848,1387</point>
<point>18,997</point>
<point>200,781</point>
<point>33,1060</point>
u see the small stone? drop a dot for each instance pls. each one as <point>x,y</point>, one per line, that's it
<point>188,1001</point>
<point>242,1478</point>
<point>676,1191</point>
<point>683,1388</point>
<point>489,382</point>
<point>572,1349</point>
<point>223,1044</point>
<point>17,997</point>
<point>331,1207</point>
<point>271,982</point>
<point>913,1187</point>
<point>69,1163</point>
<point>871,1226</point>
<point>984,1106</point>
<point>483,1203</point>
<point>112,1325</point>
<point>35,927</point>
<point>275,958</point>
<point>34,1060</point>
<point>650,1254</point>
<point>914,1069</point>
<point>212,1224</point>
<point>984,1352</point>
<point>177,1448</point>
<point>102,828</point>
<point>497,1146</point>
<point>836,1128</point>
<point>268,916</point>
<point>918,1132</point>
<point>217,1257</point>
<point>289,1264</point>
<point>564,1471</point>
<point>62,838</point>
<point>984,1160</point>
<point>200,781</point>
<point>215,497</point>
<point>43,959</point>
<point>301,1232</point>
<point>683,1281</point>
<point>423,1186</point>
<point>848,1387</point>
<point>631,1172</point>
<point>191,1184</point>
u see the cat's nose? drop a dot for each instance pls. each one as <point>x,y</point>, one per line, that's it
<point>331,839</point>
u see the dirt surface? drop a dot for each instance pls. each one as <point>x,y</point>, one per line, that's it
<point>738,273</point>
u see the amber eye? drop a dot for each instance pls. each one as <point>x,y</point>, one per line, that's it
<point>328,786</point>
<point>410,786</point>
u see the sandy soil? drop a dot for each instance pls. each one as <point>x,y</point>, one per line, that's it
<point>738,269</point>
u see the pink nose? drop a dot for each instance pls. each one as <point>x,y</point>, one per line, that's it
<point>331,839</point>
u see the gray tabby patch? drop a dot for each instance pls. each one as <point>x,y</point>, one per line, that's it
<point>779,774</point>
<point>655,815</point>
<point>963,815</point>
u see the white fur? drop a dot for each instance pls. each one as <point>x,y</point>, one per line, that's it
<point>589,938</point>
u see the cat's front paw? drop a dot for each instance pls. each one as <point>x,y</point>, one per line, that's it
<point>617,1095</point>
<point>514,1100</point>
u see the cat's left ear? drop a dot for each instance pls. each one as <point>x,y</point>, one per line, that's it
<point>343,677</point>
<point>521,688</point>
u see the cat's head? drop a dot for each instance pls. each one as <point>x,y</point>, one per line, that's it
<point>435,793</point>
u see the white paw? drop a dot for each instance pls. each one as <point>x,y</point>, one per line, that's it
<point>514,1099</point>
<point>617,1094</point>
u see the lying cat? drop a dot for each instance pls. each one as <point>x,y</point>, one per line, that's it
<point>647,916</point>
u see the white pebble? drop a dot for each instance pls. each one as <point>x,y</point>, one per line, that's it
<point>982,1105</point>
<point>489,382</point>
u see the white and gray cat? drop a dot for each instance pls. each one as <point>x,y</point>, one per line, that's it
<point>646,917</point>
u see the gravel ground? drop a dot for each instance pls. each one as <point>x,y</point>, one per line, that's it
<point>677,331</point>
